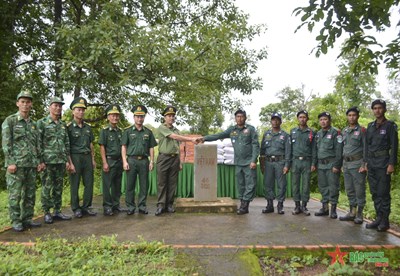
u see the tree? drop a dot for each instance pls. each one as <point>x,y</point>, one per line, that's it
<point>357,19</point>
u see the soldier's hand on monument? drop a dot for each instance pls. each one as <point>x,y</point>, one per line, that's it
<point>106,168</point>
<point>12,168</point>
<point>253,166</point>
<point>199,140</point>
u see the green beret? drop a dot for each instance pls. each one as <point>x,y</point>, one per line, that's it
<point>25,94</point>
<point>169,110</point>
<point>113,109</point>
<point>78,102</point>
<point>56,100</point>
<point>139,110</point>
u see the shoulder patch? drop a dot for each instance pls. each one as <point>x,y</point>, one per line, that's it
<point>69,123</point>
<point>128,127</point>
<point>105,127</point>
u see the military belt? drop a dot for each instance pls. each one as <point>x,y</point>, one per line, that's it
<point>137,157</point>
<point>326,161</point>
<point>353,157</point>
<point>114,157</point>
<point>169,154</point>
<point>379,153</point>
<point>302,157</point>
<point>274,158</point>
<point>85,153</point>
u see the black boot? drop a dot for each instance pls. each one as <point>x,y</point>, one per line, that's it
<point>375,223</point>
<point>333,211</point>
<point>359,217</point>
<point>384,225</point>
<point>324,211</point>
<point>269,208</point>
<point>280,208</point>
<point>297,210</point>
<point>351,215</point>
<point>244,208</point>
<point>304,209</point>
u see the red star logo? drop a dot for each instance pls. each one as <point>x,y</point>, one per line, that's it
<point>337,255</point>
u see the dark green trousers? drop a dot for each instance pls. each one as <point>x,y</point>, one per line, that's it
<point>274,172</point>
<point>354,182</point>
<point>329,185</point>
<point>112,184</point>
<point>84,169</point>
<point>21,187</point>
<point>137,168</point>
<point>167,179</point>
<point>301,176</point>
<point>246,181</point>
<point>379,186</point>
<point>52,187</point>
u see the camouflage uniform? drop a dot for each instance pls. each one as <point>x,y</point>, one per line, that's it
<point>54,141</point>
<point>21,148</point>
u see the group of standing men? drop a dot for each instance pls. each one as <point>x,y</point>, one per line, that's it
<point>51,147</point>
<point>355,150</point>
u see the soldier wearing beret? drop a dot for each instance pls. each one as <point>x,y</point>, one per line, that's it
<point>138,144</point>
<point>82,156</point>
<point>304,161</point>
<point>354,165</point>
<point>168,161</point>
<point>329,153</point>
<point>110,150</point>
<point>277,152</point>
<point>244,139</point>
<point>55,160</point>
<point>382,148</point>
<point>21,152</point>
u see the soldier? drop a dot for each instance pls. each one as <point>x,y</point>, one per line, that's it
<point>55,159</point>
<point>110,150</point>
<point>382,148</point>
<point>354,165</point>
<point>329,153</point>
<point>276,154</point>
<point>304,162</point>
<point>168,161</point>
<point>82,156</point>
<point>138,144</point>
<point>244,139</point>
<point>21,153</point>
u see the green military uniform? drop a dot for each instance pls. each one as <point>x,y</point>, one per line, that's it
<point>138,144</point>
<point>54,141</point>
<point>304,155</point>
<point>168,164</point>
<point>382,149</point>
<point>80,139</point>
<point>329,154</point>
<point>110,138</point>
<point>354,158</point>
<point>21,148</point>
<point>246,148</point>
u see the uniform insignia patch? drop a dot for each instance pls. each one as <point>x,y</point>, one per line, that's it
<point>340,138</point>
<point>329,136</point>
<point>382,131</point>
<point>282,137</point>
<point>356,133</point>
<point>246,131</point>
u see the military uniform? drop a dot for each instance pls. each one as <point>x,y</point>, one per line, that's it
<point>382,149</point>
<point>276,148</point>
<point>138,144</point>
<point>304,156</point>
<point>21,148</point>
<point>54,141</point>
<point>110,138</point>
<point>80,140</point>
<point>354,158</point>
<point>329,153</point>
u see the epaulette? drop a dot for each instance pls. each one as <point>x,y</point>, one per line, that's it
<point>87,124</point>
<point>69,123</point>
<point>128,127</point>
<point>105,127</point>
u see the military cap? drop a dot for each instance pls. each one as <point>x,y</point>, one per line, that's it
<point>302,112</point>
<point>276,115</point>
<point>324,114</point>
<point>78,102</point>
<point>169,110</point>
<point>139,110</point>
<point>113,109</point>
<point>378,101</point>
<point>25,94</point>
<point>353,109</point>
<point>56,100</point>
<point>240,111</point>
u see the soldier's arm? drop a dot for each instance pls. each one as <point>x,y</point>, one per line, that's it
<point>93,155</point>
<point>394,144</point>
<point>7,143</point>
<point>288,151</point>
<point>151,164</point>
<point>255,146</point>
<point>217,136</point>
<point>338,146</point>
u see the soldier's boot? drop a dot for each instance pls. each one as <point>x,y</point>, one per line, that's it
<point>297,210</point>
<point>359,217</point>
<point>241,204</point>
<point>375,223</point>
<point>351,215</point>
<point>269,208</point>
<point>324,211</point>
<point>384,225</point>
<point>280,208</point>
<point>244,208</point>
<point>304,209</point>
<point>333,211</point>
